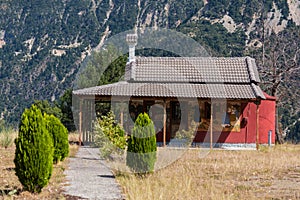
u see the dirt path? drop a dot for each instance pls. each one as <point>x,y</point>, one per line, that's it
<point>89,178</point>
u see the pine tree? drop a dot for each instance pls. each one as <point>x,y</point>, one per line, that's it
<point>34,151</point>
<point>141,152</point>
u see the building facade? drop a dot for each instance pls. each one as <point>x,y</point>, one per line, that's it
<point>218,97</point>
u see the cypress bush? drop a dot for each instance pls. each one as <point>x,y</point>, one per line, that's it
<point>141,151</point>
<point>59,135</point>
<point>34,151</point>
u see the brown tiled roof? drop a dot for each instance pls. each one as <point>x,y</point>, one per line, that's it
<point>193,70</point>
<point>180,90</point>
<point>185,77</point>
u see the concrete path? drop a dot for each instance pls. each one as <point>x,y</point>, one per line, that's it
<point>89,178</point>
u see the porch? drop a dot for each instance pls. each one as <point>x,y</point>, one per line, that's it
<point>209,122</point>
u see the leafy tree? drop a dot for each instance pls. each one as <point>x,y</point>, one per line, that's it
<point>141,152</point>
<point>96,65</point>
<point>60,137</point>
<point>65,105</point>
<point>34,151</point>
<point>114,71</point>
<point>110,137</point>
<point>47,108</point>
<point>102,67</point>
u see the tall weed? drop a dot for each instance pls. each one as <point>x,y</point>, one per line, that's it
<point>7,136</point>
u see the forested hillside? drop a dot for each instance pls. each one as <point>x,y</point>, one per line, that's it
<point>43,43</point>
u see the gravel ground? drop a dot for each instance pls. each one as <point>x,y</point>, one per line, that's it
<point>89,178</point>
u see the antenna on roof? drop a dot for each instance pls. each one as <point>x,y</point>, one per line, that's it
<point>131,40</point>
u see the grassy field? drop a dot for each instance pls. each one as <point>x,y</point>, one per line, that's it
<point>221,174</point>
<point>11,188</point>
<point>264,174</point>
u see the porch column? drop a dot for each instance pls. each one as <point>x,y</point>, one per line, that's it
<point>80,122</point>
<point>165,123</point>
<point>185,115</point>
<point>257,123</point>
<point>121,114</point>
<point>211,125</point>
<point>122,117</point>
<point>93,118</point>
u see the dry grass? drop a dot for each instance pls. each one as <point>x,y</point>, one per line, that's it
<point>7,137</point>
<point>264,174</point>
<point>11,188</point>
<point>73,137</point>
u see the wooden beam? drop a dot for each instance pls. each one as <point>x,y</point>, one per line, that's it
<point>80,122</point>
<point>211,125</point>
<point>257,125</point>
<point>165,124</point>
<point>122,114</point>
<point>91,120</point>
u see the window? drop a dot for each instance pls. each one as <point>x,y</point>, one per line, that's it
<point>231,118</point>
<point>225,117</point>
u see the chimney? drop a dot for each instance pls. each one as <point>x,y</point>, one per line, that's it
<point>131,40</point>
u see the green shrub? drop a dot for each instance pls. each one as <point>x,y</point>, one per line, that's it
<point>187,136</point>
<point>109,136</point>
<point>141,152</point>
<point>34,151</point>
<point>59,135</point>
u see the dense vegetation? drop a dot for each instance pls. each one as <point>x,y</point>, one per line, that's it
<point>41,142</point>
<point>46,42</point>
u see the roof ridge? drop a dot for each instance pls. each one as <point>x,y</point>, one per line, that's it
<point>193,57</point>
<point>252,68</point>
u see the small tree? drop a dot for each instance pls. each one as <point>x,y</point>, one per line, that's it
<point>109,136</point>
<point>141,152</point>
<point>187,136</point>
<point>59,135</point>
<point>34,151</point>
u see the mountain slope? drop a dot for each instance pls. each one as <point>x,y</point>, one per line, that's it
<point>42,43</point>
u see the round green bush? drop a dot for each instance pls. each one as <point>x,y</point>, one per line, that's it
<point>34,151</point>
<point>141,151</point>
<point>59,135</point>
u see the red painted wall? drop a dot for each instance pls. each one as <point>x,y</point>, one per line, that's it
<point>247,133</point>
<point>248,120</point>
<point>267,119</point>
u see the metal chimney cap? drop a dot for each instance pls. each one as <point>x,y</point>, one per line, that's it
<point>131,39</point>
